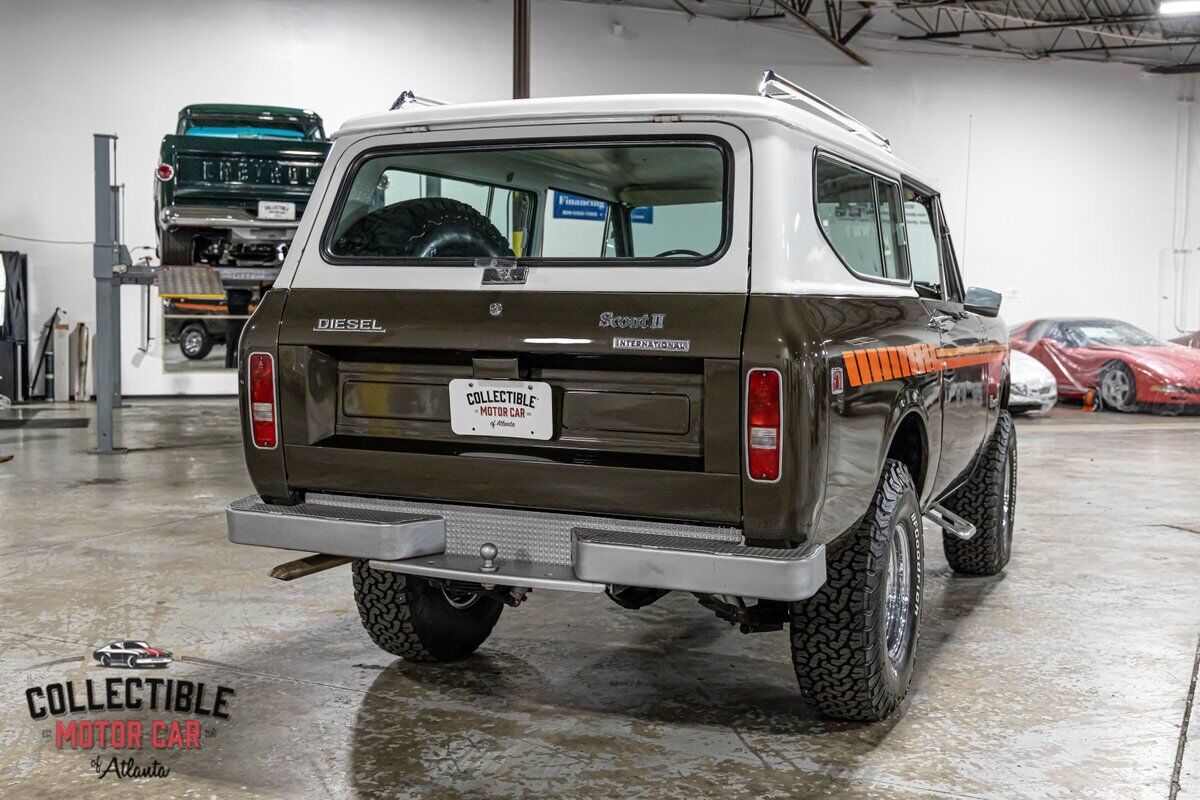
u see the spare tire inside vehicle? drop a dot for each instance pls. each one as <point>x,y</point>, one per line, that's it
<point>427,227</point>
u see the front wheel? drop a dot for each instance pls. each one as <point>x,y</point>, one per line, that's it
<point>988,500</point>
<point>1118,389</point>
<point>417,620</point>
<point>854,641</point>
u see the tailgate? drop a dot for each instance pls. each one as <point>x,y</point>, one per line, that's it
<point>644,390</point>
<point>243,171</point>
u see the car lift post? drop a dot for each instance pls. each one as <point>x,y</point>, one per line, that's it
<point>111,267</point>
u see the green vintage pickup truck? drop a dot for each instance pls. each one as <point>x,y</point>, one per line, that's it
<point>233,181</point>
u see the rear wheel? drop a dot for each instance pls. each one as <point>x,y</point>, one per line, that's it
<point>1117,387</point>
<point>988,500</point>
<point>195,341</point>
<point>419,621</point>
<point>854,641</point>
<point>177,248</point>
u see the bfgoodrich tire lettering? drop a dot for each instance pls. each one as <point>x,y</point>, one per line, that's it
<point>840,636</point>
<point>988,500</point>
<point>410,617</point>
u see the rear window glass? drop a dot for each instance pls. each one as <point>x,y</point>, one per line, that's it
<point>659,201</point>
<point>861,217</point>
<point>240,127</point>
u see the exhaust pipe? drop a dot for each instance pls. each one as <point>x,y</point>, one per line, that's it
<point>303,567</point>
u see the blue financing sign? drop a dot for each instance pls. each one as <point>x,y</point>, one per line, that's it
<point>572,206</point>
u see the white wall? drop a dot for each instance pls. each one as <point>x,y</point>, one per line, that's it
<point>1072,166</point>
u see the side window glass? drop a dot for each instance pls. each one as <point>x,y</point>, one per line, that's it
<point>846,210</point>
<point>891,224</point>
<point>924,249</point>
<point>954,284</point>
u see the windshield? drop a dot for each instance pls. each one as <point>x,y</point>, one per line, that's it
<point>250,128</point>
<point>567,201</point>
<point>1105,332</point>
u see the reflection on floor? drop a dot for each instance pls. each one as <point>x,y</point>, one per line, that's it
<point>1066,677</point>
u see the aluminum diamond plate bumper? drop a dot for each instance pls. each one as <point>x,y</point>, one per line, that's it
<point>535,549</point>
<point>335,530</point>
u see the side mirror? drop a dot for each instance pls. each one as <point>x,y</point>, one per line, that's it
<point>983,301</point>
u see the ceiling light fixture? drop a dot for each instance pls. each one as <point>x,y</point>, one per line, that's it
<point>1173,7</point>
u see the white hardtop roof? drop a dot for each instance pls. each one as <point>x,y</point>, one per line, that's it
<point>624,108</point>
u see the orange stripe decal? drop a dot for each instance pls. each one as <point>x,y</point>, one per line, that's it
<point>873,360</point>
<point>851,367</point>
<point>885,363</point>
<point>897,362</point>
<point>864,368</point>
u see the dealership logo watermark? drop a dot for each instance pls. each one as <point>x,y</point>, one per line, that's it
<point>121,718</point>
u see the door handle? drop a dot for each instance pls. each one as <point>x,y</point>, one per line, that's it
<point>942,322</point>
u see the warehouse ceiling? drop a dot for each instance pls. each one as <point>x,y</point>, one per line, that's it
<point>1130,31</point>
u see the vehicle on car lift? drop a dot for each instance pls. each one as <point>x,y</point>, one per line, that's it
<point>195,325</point>
<point>1129,368</point>
<point>591,344</point>
<point>232,183</point>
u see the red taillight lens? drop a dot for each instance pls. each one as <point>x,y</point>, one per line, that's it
<point>764,442</point>
<point>165,172</point>
<point>261,379</point>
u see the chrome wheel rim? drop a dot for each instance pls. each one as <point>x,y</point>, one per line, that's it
<point>898,593</point>
<point>460,599</point>
<point>1114,388</point>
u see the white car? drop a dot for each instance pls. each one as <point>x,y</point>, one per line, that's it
<point>1033,386</point>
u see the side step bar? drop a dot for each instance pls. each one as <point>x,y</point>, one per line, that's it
<point>335,530</point>
<point>950,522</point>
<point>698,565</point>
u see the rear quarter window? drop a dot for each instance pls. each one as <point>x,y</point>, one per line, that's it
<point>862,218</point>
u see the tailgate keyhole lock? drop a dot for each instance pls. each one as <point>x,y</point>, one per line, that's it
<point>488,552</point>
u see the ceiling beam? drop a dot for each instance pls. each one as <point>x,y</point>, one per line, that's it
<point>1078,22</point>
<point>817,29</point>
<point>1137,46</point>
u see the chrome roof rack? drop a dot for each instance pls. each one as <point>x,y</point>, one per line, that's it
<point>779,88</point>
<point>407,98</point>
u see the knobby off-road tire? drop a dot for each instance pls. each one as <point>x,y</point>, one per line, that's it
<point>853,658</point>
<point>427,227</point>
<point>988,500</point>
<point>412,618</point>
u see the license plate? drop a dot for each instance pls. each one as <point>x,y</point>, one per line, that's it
<point>276,209</point>
<point>514,409</point>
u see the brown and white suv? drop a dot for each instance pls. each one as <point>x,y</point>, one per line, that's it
<point>630,345</point>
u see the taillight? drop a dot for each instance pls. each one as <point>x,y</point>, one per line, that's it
<point>165,172</point>
<point>263,421</point>
<point>764,415</point>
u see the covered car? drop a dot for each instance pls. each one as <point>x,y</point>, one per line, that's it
<point>1033,387</point>
<point>1128,368</point>
<point>1188,339</point>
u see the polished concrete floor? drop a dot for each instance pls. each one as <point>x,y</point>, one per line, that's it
<point>1066,677</point>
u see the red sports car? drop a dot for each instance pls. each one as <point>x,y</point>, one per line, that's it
<point>1129,368</point>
